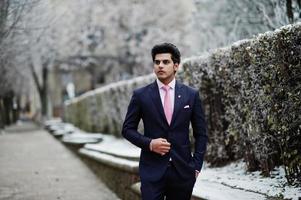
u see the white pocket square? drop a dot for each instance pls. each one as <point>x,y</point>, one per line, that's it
<point>187,106</point>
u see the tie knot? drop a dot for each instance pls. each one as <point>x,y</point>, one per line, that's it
<point>165,88</point>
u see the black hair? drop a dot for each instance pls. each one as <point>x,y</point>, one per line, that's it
<point>167,48</point>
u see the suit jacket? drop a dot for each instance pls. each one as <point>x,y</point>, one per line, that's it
<point>146,104</point>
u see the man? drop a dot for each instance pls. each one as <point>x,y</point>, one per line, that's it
<point>167,168</point>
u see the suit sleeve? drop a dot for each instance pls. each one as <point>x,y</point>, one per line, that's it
<point>199,132</point>
<point>131,122</point>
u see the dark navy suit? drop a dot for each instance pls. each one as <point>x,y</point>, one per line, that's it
<point>146,105</point>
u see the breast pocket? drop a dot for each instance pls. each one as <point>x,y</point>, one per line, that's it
<point>186,111</point>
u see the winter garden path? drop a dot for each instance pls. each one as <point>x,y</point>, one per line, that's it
<point>35,166</point>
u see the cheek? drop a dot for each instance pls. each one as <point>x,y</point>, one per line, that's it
<point>174,69</point>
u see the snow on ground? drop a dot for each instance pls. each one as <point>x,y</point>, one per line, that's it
<point>82,138</point>
<point>216,191</point>
<point>115,146</point>
<point>236,177</point>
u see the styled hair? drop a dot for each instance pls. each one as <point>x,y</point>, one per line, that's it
<point>167,48</point>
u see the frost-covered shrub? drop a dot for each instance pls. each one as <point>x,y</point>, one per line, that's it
<point>252,97</point>
<point>103,110</point>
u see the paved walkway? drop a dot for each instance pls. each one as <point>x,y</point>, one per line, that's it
<point>35,166</point>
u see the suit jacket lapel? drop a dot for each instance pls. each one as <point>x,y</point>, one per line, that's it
<point>157,100</point>
<point>178,99</point>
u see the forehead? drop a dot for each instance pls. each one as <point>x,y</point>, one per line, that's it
<point>163,56</point>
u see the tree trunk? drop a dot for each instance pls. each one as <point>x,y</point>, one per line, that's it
<point>43,93</point>
<point>8,108</point>
<point>43,99</point>
<point>289,11</point>
<point>1,114</point>
<point>299,5</point>
<point>16,108</point>
<point>42,88</point>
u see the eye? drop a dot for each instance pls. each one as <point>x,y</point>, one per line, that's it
<point>166,62</point>
<point>157,62</point>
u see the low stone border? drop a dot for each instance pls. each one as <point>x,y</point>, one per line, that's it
<point>112,161</point>
<point>119,174</point>
<point>116,147</point>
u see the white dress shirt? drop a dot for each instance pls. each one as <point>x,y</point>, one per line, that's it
<point>171,91</point>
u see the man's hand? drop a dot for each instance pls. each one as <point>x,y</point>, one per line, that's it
<point>160,146</point>
<point>196,173</point>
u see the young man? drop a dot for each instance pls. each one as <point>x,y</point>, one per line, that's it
<point>166,106</point>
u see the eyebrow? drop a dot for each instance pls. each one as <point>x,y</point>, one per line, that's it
<point>162,60</point>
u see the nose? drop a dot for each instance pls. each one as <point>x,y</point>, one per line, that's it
<point>161,65</point>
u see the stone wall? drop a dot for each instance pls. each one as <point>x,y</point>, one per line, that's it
<point>103,110</point>
<point>251,94</point>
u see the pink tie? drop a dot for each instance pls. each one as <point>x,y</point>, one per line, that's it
<point>167,104</point>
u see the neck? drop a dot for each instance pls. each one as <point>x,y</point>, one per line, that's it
<point>167,81</point>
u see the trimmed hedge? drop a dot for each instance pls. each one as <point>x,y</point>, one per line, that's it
<point>103,110</point>
<point>252,99</point>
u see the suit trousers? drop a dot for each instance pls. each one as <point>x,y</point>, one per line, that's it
<point>170,187</point>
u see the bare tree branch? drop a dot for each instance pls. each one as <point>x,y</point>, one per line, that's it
<point>35,77</point>
<point>268,21</point>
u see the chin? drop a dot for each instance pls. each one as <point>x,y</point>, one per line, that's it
<point>161,76</point>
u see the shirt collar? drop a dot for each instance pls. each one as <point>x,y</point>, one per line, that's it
<point>172,84</point>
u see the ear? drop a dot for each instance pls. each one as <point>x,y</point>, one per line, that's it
<point>176,67</point>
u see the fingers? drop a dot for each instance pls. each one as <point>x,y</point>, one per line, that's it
<point>161,146</point>
<point>164,142</point>
<point>164,146</point>
<point>164,151</point>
